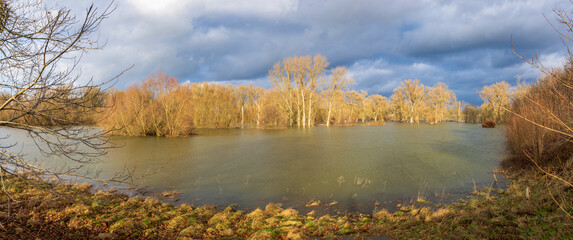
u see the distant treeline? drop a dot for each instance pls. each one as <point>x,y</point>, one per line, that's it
<point>62,106</point>
<point>304,94</point>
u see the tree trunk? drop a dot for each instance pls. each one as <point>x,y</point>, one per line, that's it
<point>310,110</point>
<point>412,113</point>
<point>298,110</point>
<point>303,109</point>
<point>329,111</point>
<point>351,113</point>
<point>258,114</point>
<point>340,113</point>
<point>242,116</point>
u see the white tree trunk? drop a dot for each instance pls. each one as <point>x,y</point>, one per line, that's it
<point>303,109</point>
<point>310,110</point>
<point>242,116</point>
<point>329,111</point>
<point>258,114</point>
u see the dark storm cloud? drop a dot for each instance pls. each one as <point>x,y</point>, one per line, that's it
<point>461,25</point>
<point>465,44</point>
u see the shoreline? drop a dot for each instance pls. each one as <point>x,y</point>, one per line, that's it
<point>433,200</point>
<point>73,211</point>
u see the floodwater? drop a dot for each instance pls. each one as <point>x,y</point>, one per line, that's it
<point>355,168</point>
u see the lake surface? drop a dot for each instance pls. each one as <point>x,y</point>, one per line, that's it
<point>356,167</point>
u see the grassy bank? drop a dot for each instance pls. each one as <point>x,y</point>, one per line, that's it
<point>47,211</point>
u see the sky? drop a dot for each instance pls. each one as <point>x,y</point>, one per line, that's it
<point>465,44</point>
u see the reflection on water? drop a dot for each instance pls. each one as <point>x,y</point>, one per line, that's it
<point>352,166</point>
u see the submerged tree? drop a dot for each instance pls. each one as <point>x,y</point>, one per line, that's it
<point>414,94</point>
<point>156,108</point>
<point>339,80</point>
<point>297,80</point>
<point>471,114</point>
<point>38,55</point>
<point>496,98</point>
<point>439,99</point>
<point>379,107</point>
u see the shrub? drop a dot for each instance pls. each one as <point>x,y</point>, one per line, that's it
<point>156,108</point>
<point>541,126</point>
<point>488,124</point>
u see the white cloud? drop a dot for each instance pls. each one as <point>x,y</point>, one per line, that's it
<point>158,8</point>
<point>198,8</point>
<point>531,73</point>
<point>553,60</point>
<point>377,67</point>
<point>420,67</point>
<point>250,7</point>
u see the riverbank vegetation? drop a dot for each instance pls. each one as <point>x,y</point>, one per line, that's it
<point>300,97</point>
<point>540,130</point>
<point>41,210</point>
<point>540,133</point>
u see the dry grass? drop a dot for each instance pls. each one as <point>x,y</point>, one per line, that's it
<point>73,212</point>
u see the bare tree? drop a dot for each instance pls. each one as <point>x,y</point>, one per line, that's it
<point>282,78</point>
<point>471,114</point>
<point>297,79</point>
<point>43,95</point>
<point>339,80</point>
<point>399,106</point>
<point>439,99</point>
<point>380,107</point>
<point>414,94</point>
<point>496,98</point>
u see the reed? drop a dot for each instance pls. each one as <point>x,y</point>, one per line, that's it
<point>420,198</point>
<point>219,184</point>
<point>340,180</point>
<point>247,179</point>
<point>360,181</point>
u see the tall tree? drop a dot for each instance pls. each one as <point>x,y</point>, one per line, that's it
<point>496,98</point>
<point>255,95</point>
<point>471,114</point>
<point>316,80</point>
<point>282,79</point>
<point>379,107</point>
<point>438,99</point>
<point>297,79</point>
<point>242,94</point>
<point>364,105</point>
<point>399,106</point>
<point>414,94</point>
<point>338,80</point>
<point>354,101</point>
<point>458,111</point>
